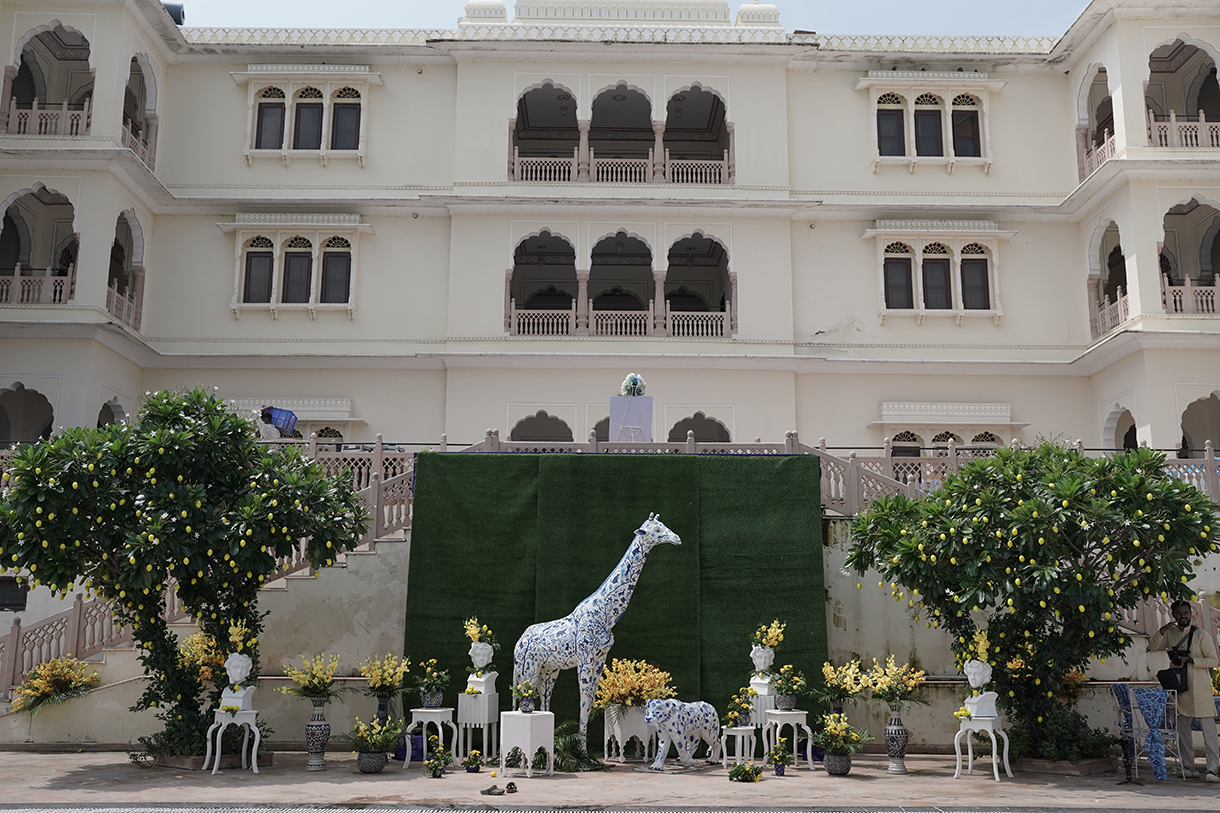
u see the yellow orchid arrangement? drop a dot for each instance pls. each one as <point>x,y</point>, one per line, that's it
<point>316,681</point>
<point>844,683</point>
<point>51,682</point>
<point>199,651</point>
<point>740,707</point>
<point>838,736</point>
<point>895,684</point>
<point>384,675</point>
<point>239,636</point>
<point>769,635</point>
<point>480,633</point>
<point>374,736</point>
<point>631,683</point>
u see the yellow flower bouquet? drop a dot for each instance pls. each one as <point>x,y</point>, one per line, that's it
<point>315,681</point>
<point>769,635</point>
<point>894,684</point>
<point>741,707</point>
<point>843,684</point>
<point>631,683</point>
<point>55,681</point>
<point>385,676</point>
<point>838,736</point>
<point>199,652</point>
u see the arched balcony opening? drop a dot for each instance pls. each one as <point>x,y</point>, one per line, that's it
<point>699,289</point>
<point>706,429</point>
<point>111,412</point>
<point>48,90</point>
<point>1200,423</point>
<point>26,416</point>
<point>1190,257</point>
<point>125,283</point>
<point>542,288</point>
<point>38,249</point>
<point>620,287</point>
<point>139,112</point>
<point>621,137</point>
<point>1183,97</point>
<point>1095,126</point>
<point>544,137</point>
<point>541,428</point>
<point>1107,281</point>
<point>697,139</point>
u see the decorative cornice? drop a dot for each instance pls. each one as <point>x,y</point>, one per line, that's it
<point>290,218</point>
<point>939,45</point>
<point>911,413</point>
<point>319,68</point>
<point>306,409</point>
<point>935,225</point>
<point>930,76</point>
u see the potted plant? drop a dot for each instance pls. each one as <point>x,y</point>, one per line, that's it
<point>741,708</point>
<point>385,677</point>
<point>55,681</point>
<point>780,757</point>
<point>625,686</point>
<point>745,772</point>
<point>431,684</point>
<point>899,687</point>
<point>438,759</point>
<point>473,761</point>
<point>316,683</point>
<point>526,695</point>
<point>842,685</point>
<point>763,643</point>
<point>840,739</point>
<point>371,741</point>
<point>787,683</point>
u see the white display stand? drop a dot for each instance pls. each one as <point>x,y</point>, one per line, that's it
<point>529,732</point>
<point>631,419</point>
<point>247,719</point>
<point>426,717</point>
<point>991,725</point>
<point>623,725</point>
<point>743,745</point>
<point>477,711</point>
<point>776,720</point>
<point>762,703</point>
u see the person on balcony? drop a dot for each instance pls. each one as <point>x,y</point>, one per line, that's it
<point>1192,647</point>
<point>266,429</point>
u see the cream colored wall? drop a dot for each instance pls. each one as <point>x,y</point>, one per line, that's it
<point>77,376</point>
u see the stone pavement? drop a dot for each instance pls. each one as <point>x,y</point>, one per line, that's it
<point>106,781</point>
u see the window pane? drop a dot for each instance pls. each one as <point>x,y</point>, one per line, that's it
<point>898,283</point>
<point>975,294</point>
<point>966,133</point>
<point>258,276</point>
<point>936,284</point>
<point>927,133</point>
<point>296,277</point>
<point>308,134</point>
<point>336,276</point>
<point>270,127</point>
<point>345,130</point>
<point>890,140</point>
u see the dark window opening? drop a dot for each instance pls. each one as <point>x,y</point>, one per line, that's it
<point>307,131</point>
<point>898,292</point>
<point>928,139</point>
<point>936,284</point>
<point>12,595</point>
<point>975,293</point>
<point>345,129</point>
<point>336,276</point>
<point>296,276</point>
<point>966,134</point>
<point>890,138</point>
<point>270,135</point>
<point>258,276</point>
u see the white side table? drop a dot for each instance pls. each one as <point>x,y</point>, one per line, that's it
<point>245,719</point>
<point>993,726</point>
<point>477,711</point>
<point>776,720</point>
<point>425,718</point>
<point>743,744</point>
<point>529,732</point>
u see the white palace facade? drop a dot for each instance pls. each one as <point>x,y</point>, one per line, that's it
<point>423,232</point>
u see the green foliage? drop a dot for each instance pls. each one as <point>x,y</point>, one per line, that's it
<point>745,772</point>
<point>184,500</point>
<point>1027,557</point>
<point>572,751</point>
<point>1064,734</point>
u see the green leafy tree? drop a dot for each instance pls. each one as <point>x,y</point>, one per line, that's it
<point>184,501</point>
<point>1027,557</point>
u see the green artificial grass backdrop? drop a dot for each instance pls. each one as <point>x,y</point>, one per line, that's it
<point>516,539</point>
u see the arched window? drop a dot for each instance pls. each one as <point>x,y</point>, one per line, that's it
<point>899,293</point>
<point>260,264</point>
<point>707,430</point>
<point>906,444</point>
<point>269,134</point>
<point>543,428</point>
<point>345,120</point>
<point>336,270</point>
<point>937,288</point>
<point>307,124</point>
<point>929,140</point>
<point>965,123</point>
<point>976,287</point>
<point>891,126</point>
<point>298,269</point>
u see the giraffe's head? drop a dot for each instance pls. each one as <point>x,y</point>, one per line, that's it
<point>653,532</point>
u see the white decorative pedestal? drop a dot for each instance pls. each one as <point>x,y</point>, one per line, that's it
<point>622,723</point>
<point>426,717</point>
<point>478,711</point>
<point>763,703</point>
<point>762,684</point>
<point>776,720</point>
<point>247,719</point>
<point>529,732</point>
<point>991,725</point>
<point>743,745</point>
<point>631,419</point>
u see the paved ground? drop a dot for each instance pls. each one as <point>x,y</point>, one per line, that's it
<point>108,782</point>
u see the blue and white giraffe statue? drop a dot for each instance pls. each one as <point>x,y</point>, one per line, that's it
<point>583,638</point>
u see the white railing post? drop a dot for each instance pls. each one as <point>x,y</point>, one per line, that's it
<point>912,487</point>
<point>378,508</point>
<point>378,454</point>
<point>690,441</point>
<point>10,664</point>
<point>313,445</point>
<point>72,642</point>
<point>792,443</point>
<point>1211,476</point>
<point>444,445</point>
<point>887,458</point>
<point>1174,136</point>
<point>952,456</point>
<point>593,441</point>
<point>851,486</point>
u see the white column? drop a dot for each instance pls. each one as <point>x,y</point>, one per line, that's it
<point>582,303</point>
<point>660,326</point>
<point>658,152</point>
<point>582,168</point>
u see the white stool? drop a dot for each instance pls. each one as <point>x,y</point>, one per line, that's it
<point>529,732</point>
<point>477,711</point>
<point>776,720</point>
<point>993,726</point>
<point>425,718</point>
<point>743,744</point>
<point>223,719</point>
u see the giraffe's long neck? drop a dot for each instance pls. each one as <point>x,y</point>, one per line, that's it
<point>616,590</point>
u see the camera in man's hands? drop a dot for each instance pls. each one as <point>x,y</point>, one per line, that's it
<point>1178,657</point>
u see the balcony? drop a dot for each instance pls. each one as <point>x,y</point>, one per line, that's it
<point>1098,155</point>
<point>1184,132</point>
<point>59,120</point>
<point>621,170</point>
<point>21,287</point>
<point>133,141</point>
<point>620,323</point>
<point>1189,297</point>
<point>1107,315</point>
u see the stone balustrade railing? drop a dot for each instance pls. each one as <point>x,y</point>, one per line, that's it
<point>1171,131</point>
<point>24,288</point>
<point>1190,297</point>
<point>59,120</point>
